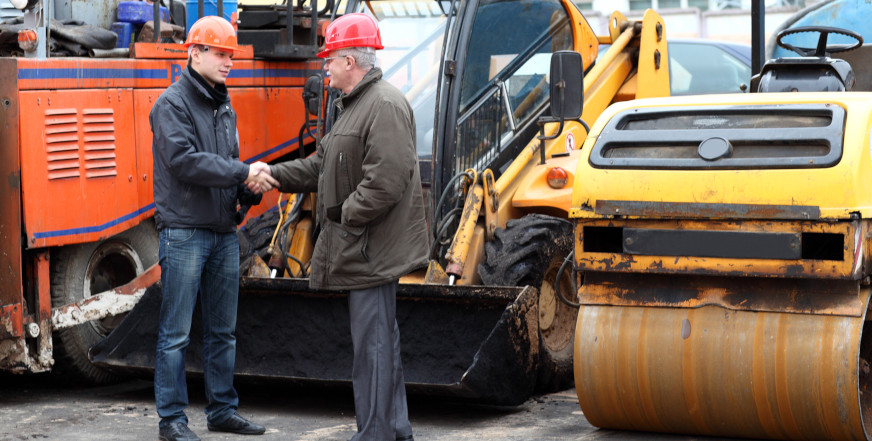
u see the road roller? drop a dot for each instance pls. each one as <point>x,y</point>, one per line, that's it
<point>724,246</point>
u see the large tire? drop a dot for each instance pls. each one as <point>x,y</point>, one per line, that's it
<point>80,271</point>
<point>529,251</point>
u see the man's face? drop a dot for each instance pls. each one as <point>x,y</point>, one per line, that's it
<point>338,67</point>
<point>213,64</point>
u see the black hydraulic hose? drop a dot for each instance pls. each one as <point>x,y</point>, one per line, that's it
<point>442,229</point>
<point>442,198</point>
<point>560,296</point>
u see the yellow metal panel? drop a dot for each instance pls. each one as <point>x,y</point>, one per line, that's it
<point>653,69</point>
<point>837,190</point>
<point>847,268</point>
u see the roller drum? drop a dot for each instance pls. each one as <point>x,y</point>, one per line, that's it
<point>720,372</point>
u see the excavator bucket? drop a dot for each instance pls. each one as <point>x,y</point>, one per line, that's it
<point>476,343</point>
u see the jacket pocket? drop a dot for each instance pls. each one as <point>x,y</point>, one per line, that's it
<point>349,254</point>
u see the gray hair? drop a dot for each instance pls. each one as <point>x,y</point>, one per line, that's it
<point>364,56</point>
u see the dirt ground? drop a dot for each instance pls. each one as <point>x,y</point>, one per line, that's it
<point>40,408</point>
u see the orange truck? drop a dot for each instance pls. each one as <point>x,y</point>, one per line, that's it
<point>77,202</point>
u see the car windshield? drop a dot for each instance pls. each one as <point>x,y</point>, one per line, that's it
<point>412,33</point>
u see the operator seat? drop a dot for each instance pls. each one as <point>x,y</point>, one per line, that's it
<point>813,70</point>
<point>806,74</point>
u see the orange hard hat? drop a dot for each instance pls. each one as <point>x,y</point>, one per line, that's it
<point>213,31</point>
<point>351,30</point>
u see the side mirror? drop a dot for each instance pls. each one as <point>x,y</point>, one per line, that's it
<point>567,85</point>
<point>312,92</point>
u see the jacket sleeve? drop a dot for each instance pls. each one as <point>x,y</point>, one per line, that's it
<point>176,138</point>
<point>299,175</point>
<point>389,164</point>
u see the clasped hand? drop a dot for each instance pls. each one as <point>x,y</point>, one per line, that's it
<point>260,178</point>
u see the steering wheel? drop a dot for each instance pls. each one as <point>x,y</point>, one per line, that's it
<point>822,49</point>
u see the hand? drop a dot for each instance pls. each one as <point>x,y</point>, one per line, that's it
<point>260,178</point>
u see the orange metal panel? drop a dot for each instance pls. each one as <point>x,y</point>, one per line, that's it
<point>143,101</point>
<point>11,321</point>
<point>269,121</point>
<point>83,73</point>
<point>11,289</point>
<point>43,288</point>
<point>171,50</point>
<point>79,164</point>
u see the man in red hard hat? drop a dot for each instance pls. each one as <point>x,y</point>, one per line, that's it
<point>198,179</point>
<point>371,214</point>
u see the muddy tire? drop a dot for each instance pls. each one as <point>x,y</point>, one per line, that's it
<point>529,251</point>
<point>80,271</point>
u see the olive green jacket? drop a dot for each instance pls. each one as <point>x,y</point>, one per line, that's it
<point>370,205</point>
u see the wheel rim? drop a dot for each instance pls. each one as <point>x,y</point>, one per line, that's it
<point>113,264</point>
<point>556,320</point>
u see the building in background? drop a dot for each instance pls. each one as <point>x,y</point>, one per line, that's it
<point>727,20</point>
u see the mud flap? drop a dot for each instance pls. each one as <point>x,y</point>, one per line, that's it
<point>472,342</point>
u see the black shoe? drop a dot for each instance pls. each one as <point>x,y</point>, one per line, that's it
<point>237,424</point>
<point>407,438</point>
<point>177,432</point>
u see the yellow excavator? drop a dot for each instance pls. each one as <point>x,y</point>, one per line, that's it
<point>483,322</point>
<point>725,247</point>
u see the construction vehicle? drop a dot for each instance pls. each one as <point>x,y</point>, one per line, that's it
<point>77,192</point>
<point>725,247</point>
<point>478,105</point>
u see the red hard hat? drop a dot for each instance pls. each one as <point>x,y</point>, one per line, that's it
<point>213,31</point>
<point>351,30</point>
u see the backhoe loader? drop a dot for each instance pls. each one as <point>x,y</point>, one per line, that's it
<point>488,327</point>
<point>725,247</point>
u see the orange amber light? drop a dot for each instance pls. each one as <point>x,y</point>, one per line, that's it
<point>557,177</point>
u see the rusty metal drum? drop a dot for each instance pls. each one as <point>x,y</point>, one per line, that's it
<point>710,370</point>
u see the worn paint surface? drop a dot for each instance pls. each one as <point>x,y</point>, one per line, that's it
<point>115,301</point>
<point>849,266</point>
<point>795,296</point>
<point>713,371</point>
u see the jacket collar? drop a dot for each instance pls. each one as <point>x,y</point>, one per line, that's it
<point>200,88</point>
<point>371,77</point>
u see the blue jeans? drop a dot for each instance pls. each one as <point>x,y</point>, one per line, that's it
<point>191,260</point>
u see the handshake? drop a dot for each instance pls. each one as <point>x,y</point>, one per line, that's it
<point>260,178</point>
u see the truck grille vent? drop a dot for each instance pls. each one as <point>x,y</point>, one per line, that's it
<point>723,137</point>
<point>62,143</point>
<point>97,136</point>
<point>99,142</point>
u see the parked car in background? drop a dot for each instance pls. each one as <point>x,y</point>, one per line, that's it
<point>700,66</point>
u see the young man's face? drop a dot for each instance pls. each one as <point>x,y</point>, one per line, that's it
<point>212,63</point>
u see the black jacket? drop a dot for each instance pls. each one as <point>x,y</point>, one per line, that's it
<point>196,158</point>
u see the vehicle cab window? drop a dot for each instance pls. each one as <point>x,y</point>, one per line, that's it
<point>505,73</point>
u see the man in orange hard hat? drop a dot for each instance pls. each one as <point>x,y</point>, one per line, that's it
<point>371,215</point>
<point>198,180</point>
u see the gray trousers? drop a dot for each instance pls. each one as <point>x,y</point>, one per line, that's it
<point>377,372</point>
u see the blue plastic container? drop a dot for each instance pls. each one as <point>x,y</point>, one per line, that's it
<point>210,7</point>
<point>124,30</point>
<point>138,12</point>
